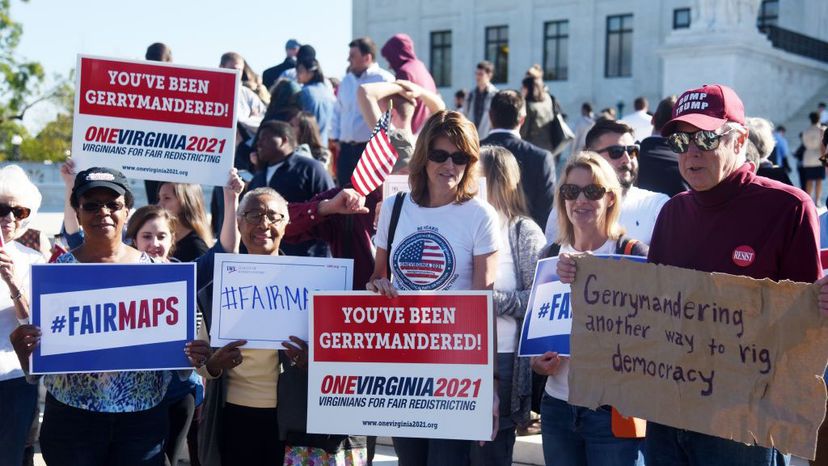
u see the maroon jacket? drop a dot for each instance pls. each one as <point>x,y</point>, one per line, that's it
<point>745,225</point>
<point>399,51</point>
<point>349,236</point>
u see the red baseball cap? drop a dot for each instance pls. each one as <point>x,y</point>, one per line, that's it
<point>707,108</point>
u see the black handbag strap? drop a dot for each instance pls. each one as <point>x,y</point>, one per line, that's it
<point>392,228</point>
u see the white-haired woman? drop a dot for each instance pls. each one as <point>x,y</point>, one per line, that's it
<point>19,201</point>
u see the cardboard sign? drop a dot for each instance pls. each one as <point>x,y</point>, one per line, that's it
<point>265,299</point>
<point>419,365</point>
<point>399,183</point>
<point>154,120</point>
<point>548,320</point>
<point>112,317</point>
<point>729,356</point>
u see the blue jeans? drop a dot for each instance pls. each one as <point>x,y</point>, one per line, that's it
<point>18,400</point>
<point>431,452</point>
<point>580,436</point>
<point>676,447</point>
<point>77,437</point>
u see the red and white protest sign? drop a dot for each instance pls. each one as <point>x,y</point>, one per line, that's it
<point>153,120</point>
<point>420,365</point>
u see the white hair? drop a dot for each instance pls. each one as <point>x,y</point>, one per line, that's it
<point>737,129</point>
<point>760,133</point>
<point>14,183</point>
<point>257,193</point>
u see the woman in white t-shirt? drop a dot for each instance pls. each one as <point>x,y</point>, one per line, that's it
<point>19,201</point>
<point>588,205</point>
<point>445,239</point>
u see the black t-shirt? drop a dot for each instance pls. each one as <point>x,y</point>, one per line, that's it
<point>190,248</point>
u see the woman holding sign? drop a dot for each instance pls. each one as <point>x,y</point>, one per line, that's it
<point>19,201</point>
<point>461,232</point>
<point>108,418</point>
<point>588,205</point>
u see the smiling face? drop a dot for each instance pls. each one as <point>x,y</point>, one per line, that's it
<point>155,238</point>
<point>626,166</point>
<point>583,213</point>
<point>168,200</point>
<point>102,222</point>
<point>444,176</point>
<point>263,237</point>
<point>703,170</point>
<point>9,223</point>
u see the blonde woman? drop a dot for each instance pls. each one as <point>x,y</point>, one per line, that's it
<point>521,243</point>
<point>192,231</point>
<point>588,205</point>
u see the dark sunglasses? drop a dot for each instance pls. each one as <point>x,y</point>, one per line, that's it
<point>617,151</point>
<point>92,207</point>
<point>440,156</point>
<point>593,192</point>
<point>704,140</point>
<point>254,217</point>
<point>19,212</point>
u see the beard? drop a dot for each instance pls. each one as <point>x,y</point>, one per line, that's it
<point>627,182</point>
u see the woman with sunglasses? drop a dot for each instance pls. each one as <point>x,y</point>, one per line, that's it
<point>19,200</point>
<point>441,210</point>
<point>110,418</point>
<point>588,206</point>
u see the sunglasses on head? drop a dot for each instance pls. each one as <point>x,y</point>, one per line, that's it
<point>617,151</point>
<point>593,192</point>
<point>19,212</point>
<point>92,207</point>
<point>704,140</point>
<point>440,156</point>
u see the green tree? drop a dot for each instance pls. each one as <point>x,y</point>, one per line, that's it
<point>21,78</point>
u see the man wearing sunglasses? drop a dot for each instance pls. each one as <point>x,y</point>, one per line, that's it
<point>730,221</point>
<point>614,141</point>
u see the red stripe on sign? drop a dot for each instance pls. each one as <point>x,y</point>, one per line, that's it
<point>154,92</point>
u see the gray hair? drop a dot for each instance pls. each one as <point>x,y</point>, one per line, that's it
<point>15,183</point>
<point>736,130</point>
<point>257,193</point>
<point>760,133</point>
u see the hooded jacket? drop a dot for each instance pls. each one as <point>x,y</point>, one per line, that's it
<point>399,51</point>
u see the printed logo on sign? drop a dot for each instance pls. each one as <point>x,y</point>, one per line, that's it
<point>424,261</point>
<point>743,256</point>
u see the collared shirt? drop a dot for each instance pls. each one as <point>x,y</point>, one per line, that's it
<point>347,124</point>
<point>641,123</point>
<point>514,132</point>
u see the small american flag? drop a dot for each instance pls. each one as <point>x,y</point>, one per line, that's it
<point>376,161</point>
<point>423,262</point>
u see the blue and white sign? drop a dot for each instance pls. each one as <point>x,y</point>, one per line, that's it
<point>265,299</point>
<point>112,317</point>
<point>548,321</point>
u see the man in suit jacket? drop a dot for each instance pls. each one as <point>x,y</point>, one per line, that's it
<point>537,166</point>
<point>658,165</point>
<point>296,177</point>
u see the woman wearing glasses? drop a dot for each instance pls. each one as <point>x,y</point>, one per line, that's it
<point>588,206</point>
<point>441,213</point>
<point>19,200</point>
<point>110,418</point>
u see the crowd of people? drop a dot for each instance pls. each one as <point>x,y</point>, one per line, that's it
<point>683,186</point>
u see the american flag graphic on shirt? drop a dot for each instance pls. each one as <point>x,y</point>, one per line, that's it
<point>424,261</point>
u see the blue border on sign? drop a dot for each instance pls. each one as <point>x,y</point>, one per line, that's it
<point>63,278</point>
<point>546,272</point>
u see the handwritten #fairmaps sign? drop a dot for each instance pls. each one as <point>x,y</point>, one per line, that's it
<point>154,120</point>
<point>419,365</point>
<point>112,317</point>
<point>265,299</point>
<point>729,356</point>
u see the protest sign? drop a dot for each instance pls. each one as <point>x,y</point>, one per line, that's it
<point>729,356</point>
<point>112,317</point>
<point>419,365</point>
<point>154,120</point>
<point>265,299</point>
<point>548,320</point>
<point>399,183</point>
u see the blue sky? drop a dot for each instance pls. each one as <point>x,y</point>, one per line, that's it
<point>198,32</point>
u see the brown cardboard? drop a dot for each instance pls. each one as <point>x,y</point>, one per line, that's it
<point>775,397</point>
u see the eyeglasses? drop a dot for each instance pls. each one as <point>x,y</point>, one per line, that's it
<point>111,206</point>
<point>440,156</point>
<point>254,217</point>
<point>617,151</point>
<point>593,192</point>
<point>19,212</point>
<point>704,140</point>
